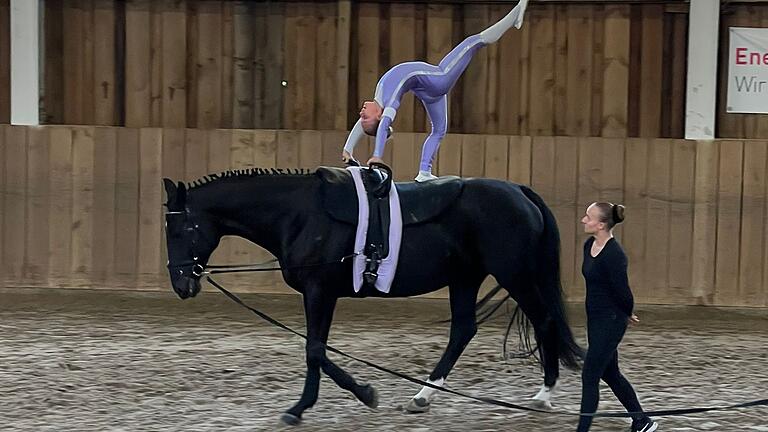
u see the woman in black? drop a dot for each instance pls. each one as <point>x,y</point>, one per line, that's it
<point>609,311</point>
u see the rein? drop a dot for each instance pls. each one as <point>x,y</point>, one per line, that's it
<point>245,268</point>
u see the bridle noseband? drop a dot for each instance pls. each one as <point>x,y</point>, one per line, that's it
<point>198,270</point>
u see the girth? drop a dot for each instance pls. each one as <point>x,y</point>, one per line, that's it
<point>378,183</point>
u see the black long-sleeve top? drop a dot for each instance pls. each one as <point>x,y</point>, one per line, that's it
<point>606,276</point>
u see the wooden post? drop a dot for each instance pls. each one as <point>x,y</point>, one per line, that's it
<point>5,62</point>
<point>703,22</point>
<point>25,62</point>
<point>343,25</point>
<point>616,71</point>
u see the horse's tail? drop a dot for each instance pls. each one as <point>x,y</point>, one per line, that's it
<point>570,353</point>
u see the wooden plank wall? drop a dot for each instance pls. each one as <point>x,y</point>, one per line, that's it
<point>83,75</point>
<point>81,206</point>
<point>586,69</point>
<point>738,125</point>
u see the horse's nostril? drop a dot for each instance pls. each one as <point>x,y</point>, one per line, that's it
<point>193,286</point>
<point>181,285</point>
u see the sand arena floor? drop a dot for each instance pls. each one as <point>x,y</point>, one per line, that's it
<point>118,361</point>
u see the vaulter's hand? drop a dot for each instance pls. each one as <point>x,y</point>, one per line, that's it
<point>374,159</point>
<point>634,320</point>
<point>345,156</point>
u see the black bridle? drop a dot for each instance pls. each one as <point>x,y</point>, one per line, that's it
<point>200,269</point>
<point>197,269</point>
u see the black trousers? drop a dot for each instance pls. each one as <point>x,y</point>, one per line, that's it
<point>604,333</point>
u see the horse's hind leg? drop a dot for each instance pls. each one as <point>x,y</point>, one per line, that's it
<point>319,314</point>
<point>532,306</point>
<point>463,328</point>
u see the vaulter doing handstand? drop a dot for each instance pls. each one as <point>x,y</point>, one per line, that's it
<point>430,84</point>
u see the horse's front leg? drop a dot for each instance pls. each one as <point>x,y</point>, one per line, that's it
<point>365,393</point>
<point>463,329</point>
<point>319,314</point>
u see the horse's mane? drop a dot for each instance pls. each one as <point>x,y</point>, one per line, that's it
<point>250,172</point>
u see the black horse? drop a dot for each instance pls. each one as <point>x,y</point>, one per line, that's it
<point>456,232</point>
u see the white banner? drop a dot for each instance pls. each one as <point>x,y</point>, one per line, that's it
<point>748,70</point>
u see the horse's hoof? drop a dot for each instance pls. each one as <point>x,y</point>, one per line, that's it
<point>541,404</point>
<point>290,419</point>
<point>417,406</point>
<point>370,397</point>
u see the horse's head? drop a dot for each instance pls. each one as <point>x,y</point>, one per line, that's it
<point>191,241</point>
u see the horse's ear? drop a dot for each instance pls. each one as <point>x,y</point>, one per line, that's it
<point>170,191</point>
<point>170,187</point>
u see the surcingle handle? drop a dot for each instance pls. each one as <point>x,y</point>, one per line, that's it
<point>372,263</point>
